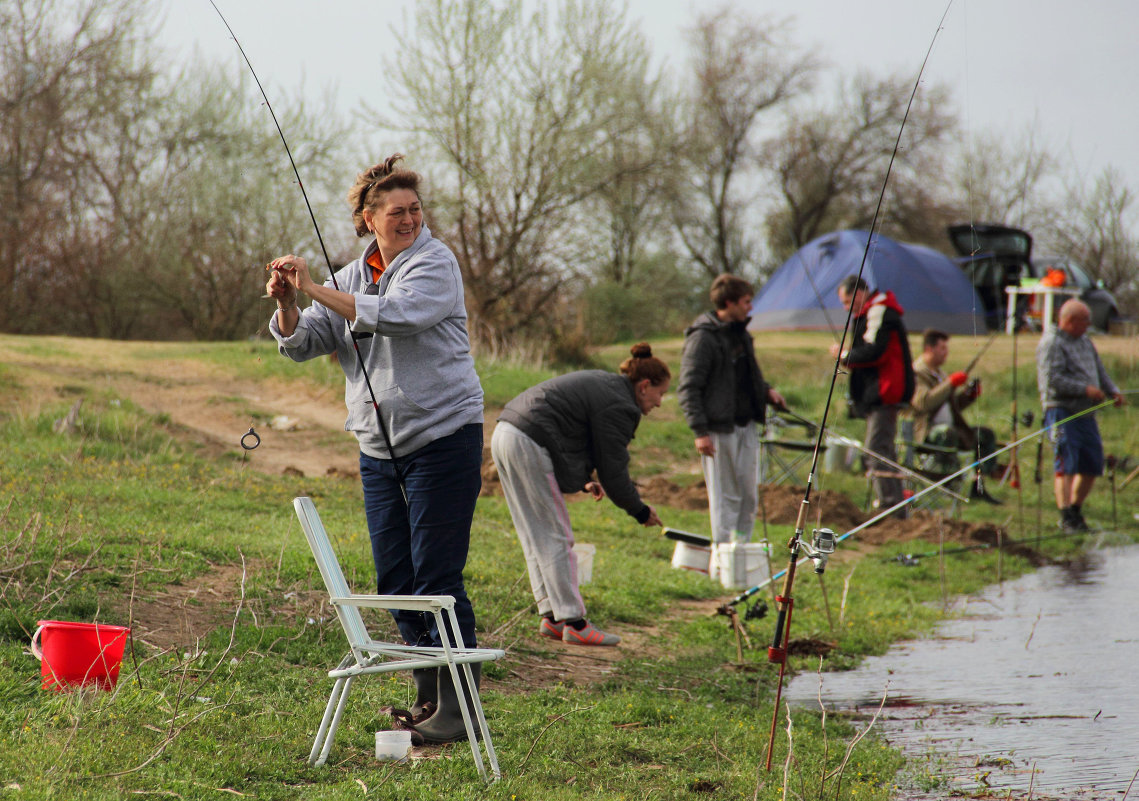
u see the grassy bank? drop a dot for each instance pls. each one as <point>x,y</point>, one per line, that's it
<point>96,523</point>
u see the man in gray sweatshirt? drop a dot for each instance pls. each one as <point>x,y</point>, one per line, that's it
<point>1071,379</point>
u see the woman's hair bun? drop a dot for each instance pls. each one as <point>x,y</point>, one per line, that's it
<point>642,350</point>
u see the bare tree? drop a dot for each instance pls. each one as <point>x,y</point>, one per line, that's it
<point>641,150</point>
<point>830,165</point>
<point>229,201</point>
<point>743,67</point>
<point>137,202</point>
<point>514,108</point>
<point>72,76</point>
<point>1099,233</point>
<point>1007,180</point>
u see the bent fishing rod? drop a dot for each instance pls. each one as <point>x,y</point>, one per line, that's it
<point>777,653</point>
<point>748,593</point>
<point>328,262</point>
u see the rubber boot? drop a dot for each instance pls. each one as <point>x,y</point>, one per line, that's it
<point>426,690</point>
<point>446,725</point>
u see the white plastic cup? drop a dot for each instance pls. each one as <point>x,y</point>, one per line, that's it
<point>393,746</point>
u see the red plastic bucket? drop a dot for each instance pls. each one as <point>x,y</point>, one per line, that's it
<point>76,654</point>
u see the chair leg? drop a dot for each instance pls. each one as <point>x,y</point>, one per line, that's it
<point>333,711</point>
<point>492,758</point>
<point>476,701</point>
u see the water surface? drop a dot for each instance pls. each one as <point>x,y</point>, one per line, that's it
<point>1037,683</point>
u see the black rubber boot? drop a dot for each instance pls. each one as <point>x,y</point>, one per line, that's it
<point>426,690</point>
<point>446,725</point>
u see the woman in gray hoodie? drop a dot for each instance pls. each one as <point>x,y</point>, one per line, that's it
<point>400,306</point>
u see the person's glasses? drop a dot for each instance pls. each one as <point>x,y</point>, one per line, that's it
<point>370,289</point>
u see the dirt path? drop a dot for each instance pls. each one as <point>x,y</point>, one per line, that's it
<point>207,406</point>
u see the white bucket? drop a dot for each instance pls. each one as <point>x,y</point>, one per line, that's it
<point>687,556</point>
<point>393,746</point>
<point>584,553</point>
<point>740,565</point>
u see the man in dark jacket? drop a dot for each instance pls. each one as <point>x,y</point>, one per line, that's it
<point>881,377</point>
<point>723,396</point>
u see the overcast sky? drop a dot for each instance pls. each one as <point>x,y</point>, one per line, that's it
<point>1069,68</point>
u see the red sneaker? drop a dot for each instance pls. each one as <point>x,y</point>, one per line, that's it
<point>589,635</point>
<point>551,628</point>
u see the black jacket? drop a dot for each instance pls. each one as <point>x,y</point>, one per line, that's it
<point>881,368</point>
<point>707,389</point>
<point>585,420</point>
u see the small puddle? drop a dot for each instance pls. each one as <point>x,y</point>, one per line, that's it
<point>1036,685</point>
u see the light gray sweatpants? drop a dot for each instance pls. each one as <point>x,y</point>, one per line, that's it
<point>541,520</point>
<point>732,478</point>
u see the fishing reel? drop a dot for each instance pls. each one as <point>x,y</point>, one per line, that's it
<point>756,611</point>
<point>820,548</point>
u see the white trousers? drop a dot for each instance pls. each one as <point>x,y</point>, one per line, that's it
<point>732,478</point>
<point>541,520</point>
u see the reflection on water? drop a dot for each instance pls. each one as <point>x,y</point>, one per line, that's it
<point>1041,671</point>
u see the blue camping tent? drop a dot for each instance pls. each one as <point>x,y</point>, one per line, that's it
<point>802,294</point>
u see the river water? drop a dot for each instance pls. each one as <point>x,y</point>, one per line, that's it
<point>1035,686</point>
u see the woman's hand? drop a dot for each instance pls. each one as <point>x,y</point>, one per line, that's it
<point>594,489</point>
<point>280,289</point>
<point>653,520</point>
<point>294,271</point>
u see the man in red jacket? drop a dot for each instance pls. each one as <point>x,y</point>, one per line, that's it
<point>881,377</point>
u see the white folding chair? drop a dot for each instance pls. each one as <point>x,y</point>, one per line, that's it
<point>371,656</point>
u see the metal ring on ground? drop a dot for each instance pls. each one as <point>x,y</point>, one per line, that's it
<point>247,435</point>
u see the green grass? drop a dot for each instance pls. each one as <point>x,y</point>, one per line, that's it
<point>121,509</point>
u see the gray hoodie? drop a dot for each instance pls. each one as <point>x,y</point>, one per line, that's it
<point>419,360</point>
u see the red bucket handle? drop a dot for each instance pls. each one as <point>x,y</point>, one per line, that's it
<point>36,652</point>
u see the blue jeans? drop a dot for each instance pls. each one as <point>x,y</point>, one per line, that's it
<point>420,548</point>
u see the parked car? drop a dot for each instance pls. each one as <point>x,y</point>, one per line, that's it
<point>998,256</point>
<point>994,257</point>
<point>1100,301</point>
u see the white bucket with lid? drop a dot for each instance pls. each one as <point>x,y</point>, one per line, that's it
<point>584,553</point>
<point>741,565</point>
<point>688,556</point>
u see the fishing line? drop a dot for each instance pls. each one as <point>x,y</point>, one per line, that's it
<point>748,593</point>
<point>327,261</point>
<point>778,651</point>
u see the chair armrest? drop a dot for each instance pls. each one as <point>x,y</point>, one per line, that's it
<point>417,603</point>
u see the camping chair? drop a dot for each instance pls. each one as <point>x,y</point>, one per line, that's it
<point>371,656</point>
<point>926,460</point>
<point>775,467</point>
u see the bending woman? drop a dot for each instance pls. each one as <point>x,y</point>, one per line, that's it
<point>548,441</point>
<point>401,304</point>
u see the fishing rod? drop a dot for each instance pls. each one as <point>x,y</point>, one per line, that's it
<point>777,653</point>
<point>853,443</point>
<point>336,285</point>
<point>809,424</point>
<point>911,559</point>
<point>748,593</point>
<point>976,358</point>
